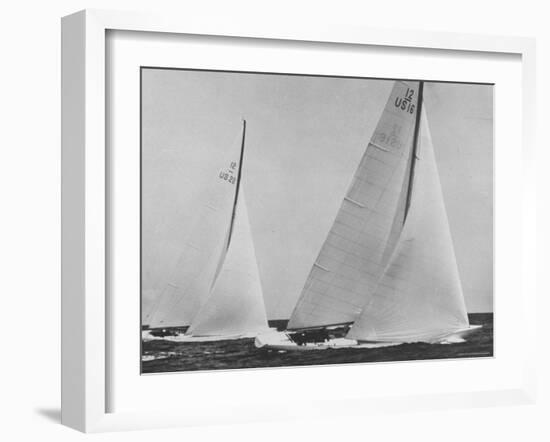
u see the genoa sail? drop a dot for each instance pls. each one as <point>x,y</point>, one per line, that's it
<point>236,304</point>
<point>363,235</point>
<point>419,297</point>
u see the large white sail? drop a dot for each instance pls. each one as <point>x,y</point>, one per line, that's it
<point>236,304</point>
<point>419,297</point>
<point>189,285</point>
<point>363,235</point>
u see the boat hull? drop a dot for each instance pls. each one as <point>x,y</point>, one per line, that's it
<point>282,341</point>
<point>189,338</point>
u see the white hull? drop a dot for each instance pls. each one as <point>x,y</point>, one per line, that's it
<point>281,341</point>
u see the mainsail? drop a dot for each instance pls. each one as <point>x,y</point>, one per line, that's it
<point>362,238</point>
<point>419,297</point>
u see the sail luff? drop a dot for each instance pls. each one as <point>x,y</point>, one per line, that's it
<point>238,185</point>
<point>406,191</point>
<point>227,240</point>
<point>415,148</point>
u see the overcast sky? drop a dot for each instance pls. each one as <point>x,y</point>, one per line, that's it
<point>305,137</point>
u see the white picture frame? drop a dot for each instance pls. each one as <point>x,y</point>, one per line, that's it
<point>85,352</point>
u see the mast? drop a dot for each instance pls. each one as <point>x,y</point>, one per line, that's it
<point>238,185</point>
<point>415,147</point>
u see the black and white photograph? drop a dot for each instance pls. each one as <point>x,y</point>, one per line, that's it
<point>303,220</point>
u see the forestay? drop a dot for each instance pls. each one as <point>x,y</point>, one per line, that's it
<point>363,235</point>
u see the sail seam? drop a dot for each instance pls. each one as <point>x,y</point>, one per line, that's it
<point>379,147</point>
<point>357,203</point>
<point>321,267</point>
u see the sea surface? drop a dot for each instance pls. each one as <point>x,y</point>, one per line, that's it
<point>162,356</point>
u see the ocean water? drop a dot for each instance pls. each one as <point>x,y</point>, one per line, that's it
<point>161,356</point>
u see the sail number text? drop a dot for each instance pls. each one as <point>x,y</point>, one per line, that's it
<point>405,103</point>
<point>229,174</point>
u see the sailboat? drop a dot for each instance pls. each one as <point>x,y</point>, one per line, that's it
<point>387,272</point>
<point>215,289</point>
